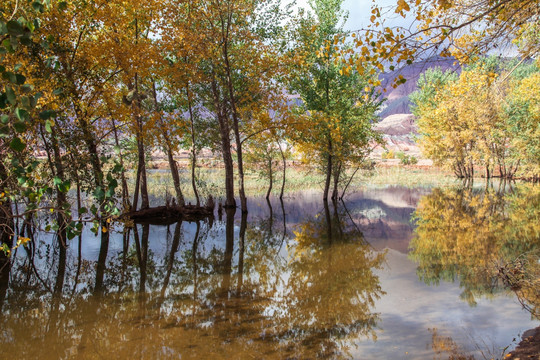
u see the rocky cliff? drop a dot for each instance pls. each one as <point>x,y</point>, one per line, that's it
<point>397,124</point>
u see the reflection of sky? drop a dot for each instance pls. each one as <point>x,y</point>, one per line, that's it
<point>407,311</point>
<point>410,308</point>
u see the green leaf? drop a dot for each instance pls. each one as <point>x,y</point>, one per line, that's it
<point>4,131</point>
<point>11,95</point>
<point>27,88</point>
<point>21,114</point>
<point>38,6</point>
<point>3,28</point>
<point>20,127</point>
<point>25,102</point>
<point>4,119</point>
<point>14,28</point>
<point>65,186</point>
<point>46,114</point>
<point>25,40</point>
<point>57,181</point>
<point>17,145</point>
<point>48,126</point>
<point>20,79</point>
<point>62,5</point>
<point>58,91</point>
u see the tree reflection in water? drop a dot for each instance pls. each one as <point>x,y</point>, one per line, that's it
<point>219,290</point>
<point>489,240</point>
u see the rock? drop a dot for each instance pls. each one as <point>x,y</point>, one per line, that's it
<point>397,124</point>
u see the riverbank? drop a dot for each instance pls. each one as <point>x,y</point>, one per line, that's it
<point>298,177</point>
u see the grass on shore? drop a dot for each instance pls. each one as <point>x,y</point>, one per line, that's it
<point>210,180</point>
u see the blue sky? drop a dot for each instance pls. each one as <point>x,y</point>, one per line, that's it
<point>360,12</point>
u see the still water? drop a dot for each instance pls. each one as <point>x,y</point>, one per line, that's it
<point>392,273</point>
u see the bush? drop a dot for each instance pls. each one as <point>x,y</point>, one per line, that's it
<point>389,154</point>
<point>407,159</point>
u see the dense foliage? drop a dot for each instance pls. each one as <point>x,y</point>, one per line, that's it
<point>91,88</point>
<point>485,117</point>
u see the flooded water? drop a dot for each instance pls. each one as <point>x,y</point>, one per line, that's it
<point>390,273</point>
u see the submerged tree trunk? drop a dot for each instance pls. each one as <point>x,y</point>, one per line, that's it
<point>229,247</point>
<point>61,217</point>
<point>235,116</point>
<point>7,233</point>
<point>241,251</point>
<point>101,263</point>
<point>141,170</point>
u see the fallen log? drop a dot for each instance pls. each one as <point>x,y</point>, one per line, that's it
<point>163,215</point>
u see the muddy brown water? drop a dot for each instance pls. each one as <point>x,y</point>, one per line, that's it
<point>291,280</point>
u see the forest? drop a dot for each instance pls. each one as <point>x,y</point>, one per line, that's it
<point>92,90</point>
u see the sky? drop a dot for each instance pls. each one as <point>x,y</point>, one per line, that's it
<point>360,12</point>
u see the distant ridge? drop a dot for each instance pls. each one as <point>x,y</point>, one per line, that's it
<point>397,100</point>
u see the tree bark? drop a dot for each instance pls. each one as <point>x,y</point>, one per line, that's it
<point>284,161</point>
<point>328,171</point>
<point>193,148</point>
<point>271,176</point>
<point>125,189</point>
<point>168,147</point>
<point>176,177</point>
<point>225,132</point>
<point>337,174</point>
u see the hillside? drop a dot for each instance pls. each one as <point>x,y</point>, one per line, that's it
<point>397,123</point>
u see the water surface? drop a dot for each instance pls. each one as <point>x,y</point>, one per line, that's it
<point>298,279</point>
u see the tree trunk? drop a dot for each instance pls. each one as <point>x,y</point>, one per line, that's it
<point>168,148</point>
<point>101,263</point>
<point>145,203</point>
<point>61,217</point>
<point>193,148</point>
<point>227,258</point>
<point>284,171</point>
<point>225,132</point>
<point>236,121</point>
<point>241,250</point>
<point>337,174</point>
<point>125,189</point>
<point>7,227</point>
<point>271,176</point>
<point>176,178</point>
<point>328,171</point>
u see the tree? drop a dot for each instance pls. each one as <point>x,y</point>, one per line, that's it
<point>338,105</point>
<point>239,69</point>
<point>473,120</point>
<point>522,111</point>
<point>460,28</point>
